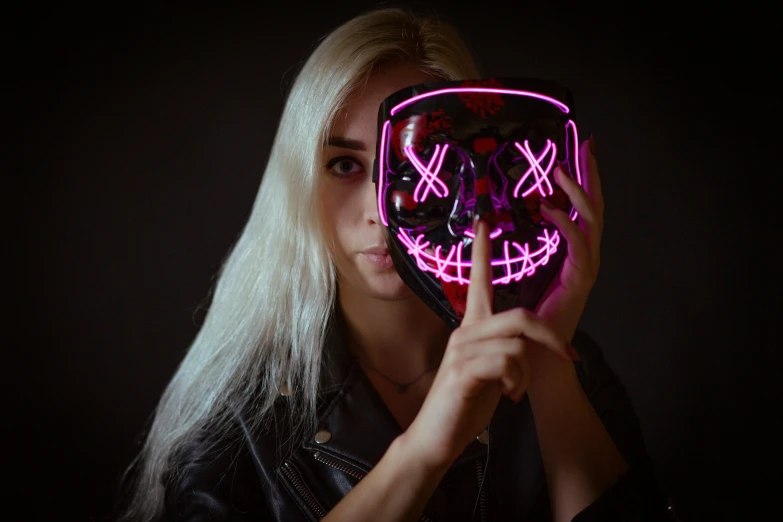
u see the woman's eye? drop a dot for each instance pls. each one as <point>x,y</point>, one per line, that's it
<point>344,166</point>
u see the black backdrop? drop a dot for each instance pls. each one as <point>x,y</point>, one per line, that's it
<point>144,132</point>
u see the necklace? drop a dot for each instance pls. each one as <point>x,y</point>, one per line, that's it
<point>401,387</point>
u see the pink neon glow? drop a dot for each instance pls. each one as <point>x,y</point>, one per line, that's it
<point>514,92</point>
<point>540,174</point>
<point>381,172</point>
<point>429,176</point>
<point>547,246</point>
<point>492,235</point>
<point>575,163</point>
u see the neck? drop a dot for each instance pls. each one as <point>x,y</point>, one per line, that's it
<point>401,338</point>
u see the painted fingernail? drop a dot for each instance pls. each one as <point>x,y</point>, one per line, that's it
<point>592,145</point>
<point>572,353</point>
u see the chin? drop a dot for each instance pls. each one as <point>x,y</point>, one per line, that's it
<point>370,281</point>
<point>387,286</point>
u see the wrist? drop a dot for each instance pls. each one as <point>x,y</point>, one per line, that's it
<point>548,371</point>
<point>406,448</point>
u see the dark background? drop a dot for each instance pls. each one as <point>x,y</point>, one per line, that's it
<point>144,131</point>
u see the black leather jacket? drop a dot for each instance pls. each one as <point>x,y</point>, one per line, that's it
<point>261,476</point>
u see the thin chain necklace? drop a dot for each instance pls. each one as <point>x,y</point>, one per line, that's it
<point>401,387</point>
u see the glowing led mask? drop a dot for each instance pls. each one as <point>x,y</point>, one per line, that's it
<point>449,150</point>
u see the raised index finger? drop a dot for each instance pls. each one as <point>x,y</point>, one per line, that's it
<point>479,300</point>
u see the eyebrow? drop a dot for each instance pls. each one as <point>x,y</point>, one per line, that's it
<point>346,143</point>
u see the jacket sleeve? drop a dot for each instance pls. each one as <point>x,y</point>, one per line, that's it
<point>636,496</point>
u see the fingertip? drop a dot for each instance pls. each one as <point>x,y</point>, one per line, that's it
<point>584,148</point>
<point>561,174</point>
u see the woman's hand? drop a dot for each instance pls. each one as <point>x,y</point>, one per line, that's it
<point>484,359</point>
<point>565,299</point>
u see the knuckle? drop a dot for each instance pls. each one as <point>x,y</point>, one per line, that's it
<point>519,314</point>
<point>456,351</point>
<point>458,368</point>
<point>457,335</point>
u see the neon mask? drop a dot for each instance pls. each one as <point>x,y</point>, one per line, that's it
<point>449,150</point>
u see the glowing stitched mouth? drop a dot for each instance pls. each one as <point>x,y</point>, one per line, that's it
<point>449,267</point>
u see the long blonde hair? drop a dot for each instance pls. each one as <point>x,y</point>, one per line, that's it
<point>273,299</point>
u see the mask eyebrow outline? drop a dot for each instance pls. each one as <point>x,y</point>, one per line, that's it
<point>489,90</point>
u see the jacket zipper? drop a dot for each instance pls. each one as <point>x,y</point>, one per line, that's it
<point>482,497</point>
<point>320,457</point>
<point>358,475</point>
<point>293,475</point>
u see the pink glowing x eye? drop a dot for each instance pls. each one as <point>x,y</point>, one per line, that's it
<point>429,174</point>
<point>539,173</point>
<point>450,267</point>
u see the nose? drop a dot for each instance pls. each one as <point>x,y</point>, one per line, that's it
<point>370,203</point>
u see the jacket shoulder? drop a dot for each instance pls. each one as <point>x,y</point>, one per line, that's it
<point>220,472</point>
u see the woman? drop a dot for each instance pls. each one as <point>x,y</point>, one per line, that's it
<point>320,386</point>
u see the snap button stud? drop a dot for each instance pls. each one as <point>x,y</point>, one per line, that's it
<point>323,436</point>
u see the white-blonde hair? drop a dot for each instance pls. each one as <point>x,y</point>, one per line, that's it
<point>273,300</point>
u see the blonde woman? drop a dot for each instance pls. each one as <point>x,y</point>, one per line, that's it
<point>321,387</point>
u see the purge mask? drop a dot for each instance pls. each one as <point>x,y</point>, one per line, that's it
<point>450,150</point>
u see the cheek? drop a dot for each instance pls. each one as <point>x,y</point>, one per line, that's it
<point>340,212</point>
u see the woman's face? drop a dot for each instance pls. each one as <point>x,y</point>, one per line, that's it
<point>348,201</point>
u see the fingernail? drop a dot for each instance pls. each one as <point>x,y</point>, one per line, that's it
<point>572,353</point>
<point>592,145</point>
<point>563,168</point>
<point>547,205</point>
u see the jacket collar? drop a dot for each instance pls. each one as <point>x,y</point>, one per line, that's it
<point>360,425</point>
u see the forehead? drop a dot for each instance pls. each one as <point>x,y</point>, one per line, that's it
<point>359,116</point>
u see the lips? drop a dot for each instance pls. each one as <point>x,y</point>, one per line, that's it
<point>376,251</point>
<point>378,256</point>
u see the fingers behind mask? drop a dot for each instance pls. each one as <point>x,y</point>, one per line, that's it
<point>591,181</point>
